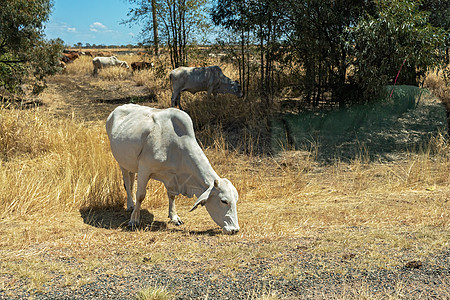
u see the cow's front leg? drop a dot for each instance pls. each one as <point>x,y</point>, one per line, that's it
<point>175,100</point>
<point>210,92</point>
<point>173,216</point>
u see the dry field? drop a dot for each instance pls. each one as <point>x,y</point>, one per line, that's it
<point>350,229</point>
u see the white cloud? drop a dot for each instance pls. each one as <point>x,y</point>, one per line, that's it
<point>98,27</point>
<point>60,28</point>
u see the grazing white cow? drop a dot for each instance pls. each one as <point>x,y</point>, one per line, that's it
<point>209,79</point>
<point>104,62</point>
<point>160,144</point>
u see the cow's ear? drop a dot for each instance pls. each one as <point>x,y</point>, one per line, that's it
<point>203,198</point>
<point>198,202</point>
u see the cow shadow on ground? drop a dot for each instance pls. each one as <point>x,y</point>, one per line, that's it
<point>150,98</point>
<point>117,218</point>
<point>208,232</point>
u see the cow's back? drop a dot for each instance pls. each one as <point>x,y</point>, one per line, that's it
<point>190,79</point>
<point>138,132</point>
<point>101,61</point>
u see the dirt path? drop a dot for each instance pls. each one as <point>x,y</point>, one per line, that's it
<point>89,98</point>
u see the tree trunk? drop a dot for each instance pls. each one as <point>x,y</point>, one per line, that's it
<point>243,55</point>
<point>261,49</point>
<point>155,28</point>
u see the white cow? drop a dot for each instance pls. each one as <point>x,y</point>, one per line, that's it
<point>160,144</point>
<point>209,79</point>
<point>100,62</point>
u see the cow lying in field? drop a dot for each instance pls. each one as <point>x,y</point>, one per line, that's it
<point>209,79</point>
<point>141,65</point>
<point>161,144</point>
<point>104,62</point>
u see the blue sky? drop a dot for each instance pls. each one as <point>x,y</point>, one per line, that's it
<point>91,21</point>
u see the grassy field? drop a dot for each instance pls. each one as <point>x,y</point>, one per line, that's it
<point>63,222</point>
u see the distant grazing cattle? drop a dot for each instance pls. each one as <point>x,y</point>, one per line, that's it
<point>209,79</point>
<point>69,57</point>
<point>102,54</point>
<point>141,65</point>
<point>217,55</point>
<point>104,62</point>
<point>71,51</point>
<point>161,144</point>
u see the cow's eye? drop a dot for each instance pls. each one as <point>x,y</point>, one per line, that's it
<point>224,202</point>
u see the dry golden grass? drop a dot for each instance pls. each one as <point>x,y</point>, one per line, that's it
<point>439,86</point>
<point>52,165</point>
<point>55,173</point>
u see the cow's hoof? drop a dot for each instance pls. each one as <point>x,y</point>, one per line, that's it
<point>177,222</point>
<point>133,225</point>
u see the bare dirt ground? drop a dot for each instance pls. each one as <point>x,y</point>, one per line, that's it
<point>90,98</point>
<point>198,261</point>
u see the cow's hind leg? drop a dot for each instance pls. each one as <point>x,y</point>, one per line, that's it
<point>173,216</point>
<point>128,182</point>
<point>142,179</point>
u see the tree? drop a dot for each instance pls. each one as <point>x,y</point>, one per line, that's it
<point>399,33</point>
<point>155,28</point>
<point>179,22</point>
<point>440,17</point>
<point>317,39</point>
<point>234,16</point>
<point>310,34</point>
<point>267,19</point>
<point>25,55</point>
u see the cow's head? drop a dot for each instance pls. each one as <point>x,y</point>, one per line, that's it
<point>235,89</point>
<point>228,86</point>
<point>220,201</point>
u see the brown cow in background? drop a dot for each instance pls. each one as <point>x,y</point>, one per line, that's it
<point>69,57</point>
<point>141,65</point>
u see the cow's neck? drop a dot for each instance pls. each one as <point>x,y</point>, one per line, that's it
<point>194,176</point>
<point>203,174</point>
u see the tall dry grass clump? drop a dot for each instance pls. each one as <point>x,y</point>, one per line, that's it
<point>440,86</point>
<point>53,166</point>
<point>81,66</point>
